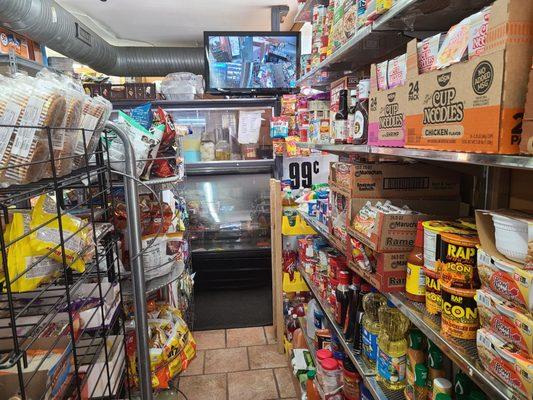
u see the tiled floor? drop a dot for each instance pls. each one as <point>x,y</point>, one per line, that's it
<point>238,364</point>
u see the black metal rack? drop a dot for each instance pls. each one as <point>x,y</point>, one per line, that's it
<point>50,349</point>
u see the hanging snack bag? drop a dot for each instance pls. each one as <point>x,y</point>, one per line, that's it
<point>162,117</point>
<point>157,132</point>
<point>455,45</point>
<point>163,254</point>
<point>279,127</point>
<point>143,115</point>
<point>288,104</point>
<point>427,50</point>
<point>397,71</point>
<point>479,23</point>
<point>28,267</point>
<point>79,246</point>
<point>292,148</point>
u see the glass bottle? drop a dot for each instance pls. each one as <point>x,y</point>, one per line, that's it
<point>222,148</point>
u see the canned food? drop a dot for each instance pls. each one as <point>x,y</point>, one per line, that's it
<point>433,292</point>
<point>459,312</point>
<point>432,230</point>
<point>458,260</point>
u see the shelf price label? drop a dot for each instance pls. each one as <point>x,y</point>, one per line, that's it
<point>305,172</point>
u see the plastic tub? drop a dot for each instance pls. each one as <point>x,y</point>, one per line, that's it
<point>511,237</point>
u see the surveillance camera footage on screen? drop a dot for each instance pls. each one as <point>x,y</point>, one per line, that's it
<point>252,62</point>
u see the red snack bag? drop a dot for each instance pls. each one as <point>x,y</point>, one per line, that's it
<point>170,129</point>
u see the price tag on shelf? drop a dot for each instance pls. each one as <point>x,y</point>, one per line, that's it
<point>307,171</point>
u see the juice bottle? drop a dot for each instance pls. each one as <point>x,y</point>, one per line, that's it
<point>392,347</point>
<point>371,304</point>
<point>312,393</point>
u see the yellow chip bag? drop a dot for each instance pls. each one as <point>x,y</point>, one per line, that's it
<point>47,238</point>
<point>28,268</point>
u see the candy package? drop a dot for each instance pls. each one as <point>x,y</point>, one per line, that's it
<point>288,104</point>
<point>455,45</point>
<point>279,127</point>
<point>143,115</point>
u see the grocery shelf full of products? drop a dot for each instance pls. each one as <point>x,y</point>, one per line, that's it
<point>330,201</point>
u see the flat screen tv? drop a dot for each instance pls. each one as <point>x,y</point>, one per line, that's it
<point>251,62</point>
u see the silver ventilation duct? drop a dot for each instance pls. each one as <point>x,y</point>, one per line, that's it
<point>48,23</point>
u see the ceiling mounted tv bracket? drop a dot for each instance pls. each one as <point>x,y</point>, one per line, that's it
<point>277,15</point>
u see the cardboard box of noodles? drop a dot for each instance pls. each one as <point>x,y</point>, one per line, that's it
<point>394,181</point>
<point>394,232</point>
<point>477,105</point>
<point>526,144</point>
<point>385,271</point>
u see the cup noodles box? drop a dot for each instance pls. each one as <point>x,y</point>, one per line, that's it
<point>387,110</point>
<point>506,321</point>
<point>505,363</point>
<point>526,144</point>
<point>476,105</point>
<point>10,40</point>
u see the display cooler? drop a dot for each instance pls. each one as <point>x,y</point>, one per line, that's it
<point>227,193</point>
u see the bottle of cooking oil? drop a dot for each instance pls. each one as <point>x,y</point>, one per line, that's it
<point>370,326</point>
<point>392,347</point>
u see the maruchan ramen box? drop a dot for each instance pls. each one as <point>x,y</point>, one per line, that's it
<point>476,105</point>
<point>526,144</point>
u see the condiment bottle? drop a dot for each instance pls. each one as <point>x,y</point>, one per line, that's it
<point>415,355</point>
<point>312,392</point>
<point>342,297</point>
<point>351,380</point>
<point>415,284</point>
<point>435,365</point>
<point>441,385</point>
<point>421,375</point>
<point>462,386</point>
<point>477,395</point>
<point>358,328</point>
<point>351,314</point>
<point>360,127</point>
<point>341,117</point>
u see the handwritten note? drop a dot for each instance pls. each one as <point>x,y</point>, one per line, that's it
<point>249,126</point>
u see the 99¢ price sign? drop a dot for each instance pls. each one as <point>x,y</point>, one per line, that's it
<point>305,172</point>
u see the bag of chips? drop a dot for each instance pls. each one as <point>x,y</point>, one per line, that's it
<point>143,115</point>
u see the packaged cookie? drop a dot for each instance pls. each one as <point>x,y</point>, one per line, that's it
<point>427,51</point>
<point>397,71</point>
<point>455,45</point>
<point>479,23</point>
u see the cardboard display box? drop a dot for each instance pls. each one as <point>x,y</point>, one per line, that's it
<point>400,181</point>
<point>397,232</point>
<point>389,270</point>
<point>387,110</point>
<point>526,144</point>
<point>477,105</point>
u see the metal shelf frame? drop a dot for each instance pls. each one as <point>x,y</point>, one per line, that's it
<point>462,352</point>
<point>388,35</point>
<point>489,160</point>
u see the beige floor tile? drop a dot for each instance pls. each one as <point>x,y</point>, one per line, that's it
<point>270,333</point>
<point>285,381</point>
<point>245,337</point>
<point>266,357</point>
<point>196,367</point>
<point>252,385</point>
<point>226,360</point>
<point>204,387</point>
<point>206,340</point>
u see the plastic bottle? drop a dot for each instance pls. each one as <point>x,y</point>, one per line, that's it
<point>351,380</point>
<point>342,297</point>
<point>415,284</point>
<point>349,323</point>
<point>358,328</point>
<point>462,386</point>
<point>415,354</point>
<point>436,366</point>
<point>420,389</point>
<point>312,393</point>
<point>392,347</point>
<point>292,325</point>
<point>371,326</point>
<point>310,319</point>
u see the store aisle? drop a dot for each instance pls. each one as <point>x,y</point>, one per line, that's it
<point>238,364</point>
